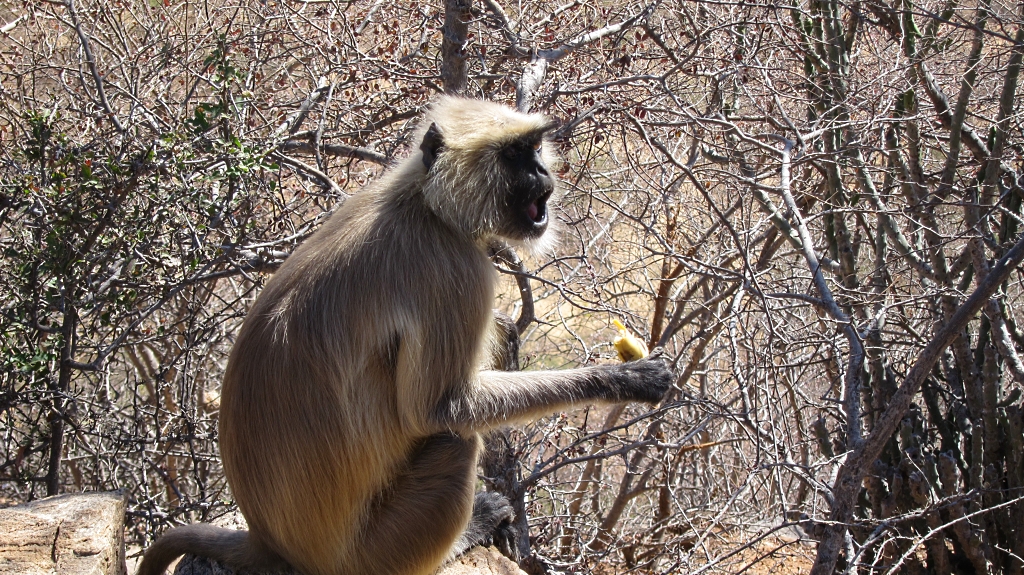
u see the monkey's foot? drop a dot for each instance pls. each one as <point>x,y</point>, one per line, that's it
<point>491,524</point>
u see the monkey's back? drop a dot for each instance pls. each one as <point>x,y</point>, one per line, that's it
<point>317,413</point>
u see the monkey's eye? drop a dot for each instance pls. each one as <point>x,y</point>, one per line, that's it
<point>538,145</point>
<point>517,151</point>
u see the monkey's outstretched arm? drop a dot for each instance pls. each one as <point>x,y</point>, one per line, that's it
<point>497,397</point>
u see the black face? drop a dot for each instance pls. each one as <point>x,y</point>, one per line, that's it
<point>530,187</point>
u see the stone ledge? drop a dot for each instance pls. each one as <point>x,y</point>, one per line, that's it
<point>83,534</point>
<point>73,534</point>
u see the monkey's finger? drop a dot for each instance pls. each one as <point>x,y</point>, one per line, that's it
<point>658,353</point>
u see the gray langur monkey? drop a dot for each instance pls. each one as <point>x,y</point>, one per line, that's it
<point>355,393</point>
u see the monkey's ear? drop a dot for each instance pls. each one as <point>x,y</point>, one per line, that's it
<point>431,145</point>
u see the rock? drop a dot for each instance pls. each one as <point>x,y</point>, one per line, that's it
<point>483,561</point>
<point>74,534</point>
<point>479,561</point>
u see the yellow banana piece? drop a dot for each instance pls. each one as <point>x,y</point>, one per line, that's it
<point>628,346</point>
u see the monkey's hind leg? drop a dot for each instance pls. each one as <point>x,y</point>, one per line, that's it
<point>411,527</point>
<point>491,525</point>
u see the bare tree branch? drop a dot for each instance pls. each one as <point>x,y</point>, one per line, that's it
<point>859,460</point>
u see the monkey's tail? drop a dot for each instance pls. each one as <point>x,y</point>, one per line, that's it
<point>234,548</point>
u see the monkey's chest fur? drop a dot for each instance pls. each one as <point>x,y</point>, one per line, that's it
<point>336,375</point>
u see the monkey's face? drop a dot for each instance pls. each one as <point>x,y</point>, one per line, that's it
<point>487,169</point>
<point>530,186</point>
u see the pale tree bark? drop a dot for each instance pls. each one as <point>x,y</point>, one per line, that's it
<point>454,59</point>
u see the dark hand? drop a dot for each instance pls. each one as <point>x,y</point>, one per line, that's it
<point>647,379</point>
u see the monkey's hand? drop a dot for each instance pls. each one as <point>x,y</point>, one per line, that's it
<point>647,379</point>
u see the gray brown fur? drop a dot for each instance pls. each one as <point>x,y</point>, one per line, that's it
<point>354,395</point>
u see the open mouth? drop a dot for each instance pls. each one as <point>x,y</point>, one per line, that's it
<point>537,210</point>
